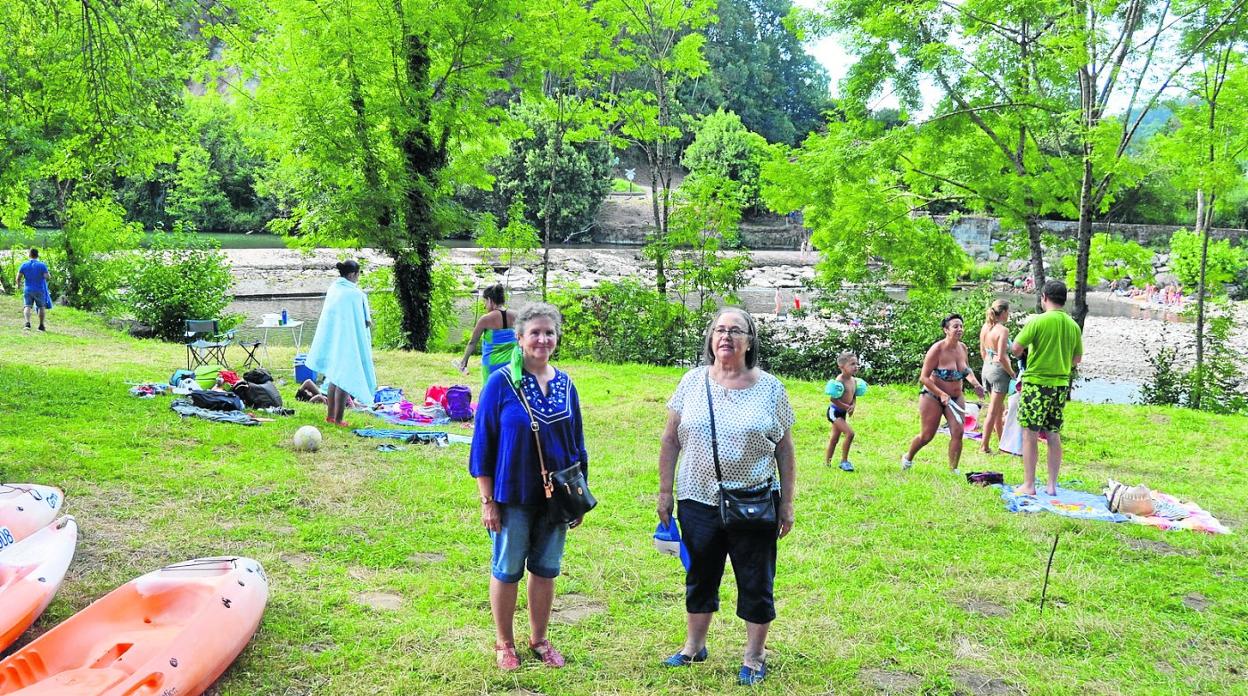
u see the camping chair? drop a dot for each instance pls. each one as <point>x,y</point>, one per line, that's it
<point>249,349</point>
<point>205,344</point>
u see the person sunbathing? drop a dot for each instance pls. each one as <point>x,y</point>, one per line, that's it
<point>309,392</point>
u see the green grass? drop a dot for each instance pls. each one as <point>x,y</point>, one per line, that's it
<point>872,583</point>
<point>622,186</point>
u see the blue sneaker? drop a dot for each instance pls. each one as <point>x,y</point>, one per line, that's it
<point>749,677</point>
<point>683,660</point>
<point>846,466</point>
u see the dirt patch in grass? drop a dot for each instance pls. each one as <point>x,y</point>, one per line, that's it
<point>887,681</point>
<point>1160,548</point>
<point>298,561</point>
<point>361,574</point>
<point>983,607</point>
<point>966,649</point>
<point>970,683</point>
<point>380,600</point>
<point>1196,601</point>
<point>572,609</point>
<point>1159,418</point>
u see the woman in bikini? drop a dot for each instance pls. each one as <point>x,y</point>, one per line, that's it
<point>994,348</point>
<point>496,328</point>
<point>945,366</point>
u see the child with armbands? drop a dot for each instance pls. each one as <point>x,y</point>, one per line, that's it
<point>843,390</point>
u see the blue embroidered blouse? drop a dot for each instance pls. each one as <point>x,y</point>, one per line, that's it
<point>502,438</point>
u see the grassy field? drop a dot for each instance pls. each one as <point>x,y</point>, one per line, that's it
<point>890,582</point>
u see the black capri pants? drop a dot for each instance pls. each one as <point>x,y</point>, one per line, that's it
<point>753,555</point>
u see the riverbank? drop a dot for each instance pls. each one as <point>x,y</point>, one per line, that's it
<point>1119,335</point>
<point>890,581</point>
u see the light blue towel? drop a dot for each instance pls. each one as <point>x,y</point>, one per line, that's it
<point>1067,502</point>
<point>342,348</point>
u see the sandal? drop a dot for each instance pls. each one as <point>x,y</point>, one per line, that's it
<point>506,657</point>
<point>748,676</point>
<point>682,660</point>
<point>547,653</point>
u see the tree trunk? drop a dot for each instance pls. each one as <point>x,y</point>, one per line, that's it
<point>1034,242</point>
<point>1203,218</point>
<point>413,264</point>
<point>1080,312</point>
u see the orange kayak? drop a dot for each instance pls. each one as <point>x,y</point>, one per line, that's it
<point>30,572</point>
<point>25,508</point>
<point>172,631</point>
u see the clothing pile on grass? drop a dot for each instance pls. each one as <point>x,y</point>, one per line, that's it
<point>229,396</point>
<point>442,405</point>
<point>1118,503</point>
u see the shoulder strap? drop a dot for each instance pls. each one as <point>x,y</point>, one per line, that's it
<point>503,312</point>
<point>710,408</point>
<point>547,486</point>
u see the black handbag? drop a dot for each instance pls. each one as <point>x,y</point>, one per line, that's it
<point>741,509</point>
<point>567,493</point>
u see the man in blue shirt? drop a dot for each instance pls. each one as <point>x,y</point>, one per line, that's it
<point>34,275</point>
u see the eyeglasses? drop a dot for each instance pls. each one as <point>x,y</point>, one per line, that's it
<point>734,332</point>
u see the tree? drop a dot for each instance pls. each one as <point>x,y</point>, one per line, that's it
<point>659,44</point>
<point>849,184</point>
<point>87,92</point>
<point>759,70</point>
<point>996,141</point>
<point>375,111</point>
<point>723,149</point>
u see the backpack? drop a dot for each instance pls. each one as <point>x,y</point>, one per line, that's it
<point>179,375</point>
<point>216,400</point>
<point>264,395</point>
<point>257,376</point>
<point>458,403</point>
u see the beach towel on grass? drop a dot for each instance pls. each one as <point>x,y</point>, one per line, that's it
<point>1067,502</point>
<point>414,436</point>
<point>1197,519</point>
<point>185,408</point>
<point>967,434</point>
<point>342,348</point>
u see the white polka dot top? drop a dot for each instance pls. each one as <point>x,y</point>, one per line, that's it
<point>750,423</point>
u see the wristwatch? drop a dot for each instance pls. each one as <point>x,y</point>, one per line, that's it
<point>487,499</point>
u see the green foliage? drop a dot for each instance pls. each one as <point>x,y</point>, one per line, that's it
<point>91,259</point>
<point>448,286</point>
<point>760,69</point>
<point>626,322</point>
<point>723,148</point>
<point>1111,258</point>
<point>180,276</point>
<point>1219,380</point>
<point>1224,261</point>
<point>513,244</point>
<point>850,187</point>
<point>702,231</point>
<point>579,171</point>
<point>890,337</point>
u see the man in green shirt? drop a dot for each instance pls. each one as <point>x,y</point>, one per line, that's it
<point>1055,345</point>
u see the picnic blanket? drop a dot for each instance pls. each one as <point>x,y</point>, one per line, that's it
<point>148,390</point>
<point>186,409</point>
<point>968,434</point>
<point>1195,519</point>
<point>407,413</point>
<point>439,437</point>
<point>1067,502</point>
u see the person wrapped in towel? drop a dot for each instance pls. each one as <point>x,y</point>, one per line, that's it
<point>342,348</point>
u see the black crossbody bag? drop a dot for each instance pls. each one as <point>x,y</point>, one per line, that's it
<point>745,509</point>
<point>567,493</point>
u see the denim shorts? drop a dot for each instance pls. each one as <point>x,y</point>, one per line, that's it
<point>33,298</point>
<point>526,535</point>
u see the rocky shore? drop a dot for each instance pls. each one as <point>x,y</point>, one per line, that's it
<point>1116,347</point>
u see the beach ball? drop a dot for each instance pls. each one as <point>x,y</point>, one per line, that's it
<point>834,389</point>
<point>307,439</point>
<point>861,388</point>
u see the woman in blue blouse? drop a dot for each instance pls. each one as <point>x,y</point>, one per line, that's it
<point>504,460</point>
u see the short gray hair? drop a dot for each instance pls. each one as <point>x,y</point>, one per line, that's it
<point>533,310</point>
<point>751,353</point>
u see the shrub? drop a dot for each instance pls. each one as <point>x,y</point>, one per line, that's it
<point>181,276</point>
<point>725,149</point>
<point>627,322</point>
<point>1224,261</point>
<point>91,258</point>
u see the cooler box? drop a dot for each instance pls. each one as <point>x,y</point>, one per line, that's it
<point>302,371</point>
